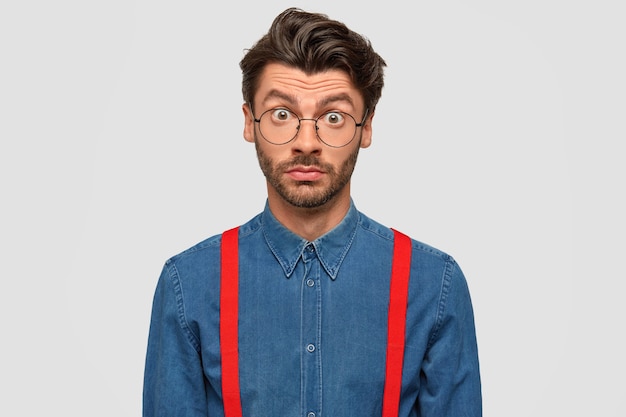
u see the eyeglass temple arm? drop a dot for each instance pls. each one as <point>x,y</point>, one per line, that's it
<point>364,117</point>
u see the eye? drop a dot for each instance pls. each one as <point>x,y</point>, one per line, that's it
<point>282,115</point>
<point>333,118</point>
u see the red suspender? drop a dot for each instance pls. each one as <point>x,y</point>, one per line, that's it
<point>229,315</point>
<point>398,294</point>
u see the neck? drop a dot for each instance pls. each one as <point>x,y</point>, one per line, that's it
<point>310,223</point>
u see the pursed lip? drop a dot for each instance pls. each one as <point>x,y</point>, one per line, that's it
<point>305,173</point>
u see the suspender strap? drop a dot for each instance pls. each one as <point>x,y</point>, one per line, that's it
<point>396,326</point>
<point>229,317</point>
<point>229,320</point>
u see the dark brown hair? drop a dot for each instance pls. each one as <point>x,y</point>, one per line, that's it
<point>314,43</point>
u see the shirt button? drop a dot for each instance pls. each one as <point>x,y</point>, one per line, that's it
<point>310,282</point>
<point>310,347</point>
<point>311,414</point>
<point>310,248</point>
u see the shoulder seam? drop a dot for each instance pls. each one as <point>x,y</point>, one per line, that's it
<point>180,303</point>
<point>446,282</point>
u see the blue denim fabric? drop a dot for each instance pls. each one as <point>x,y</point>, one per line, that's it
<point>312,327</point>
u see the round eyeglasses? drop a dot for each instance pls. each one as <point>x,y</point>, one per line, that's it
<point>336,129</point>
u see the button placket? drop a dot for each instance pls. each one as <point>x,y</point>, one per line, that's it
<point>310,334</point>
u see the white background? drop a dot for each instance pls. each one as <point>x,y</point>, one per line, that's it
<point>498,139</point>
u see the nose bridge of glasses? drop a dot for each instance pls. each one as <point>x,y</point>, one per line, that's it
<point>315,126</point>
<point>310,120</point>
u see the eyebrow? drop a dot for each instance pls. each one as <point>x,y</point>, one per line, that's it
<point>332,99</point>
<point>290,99</point>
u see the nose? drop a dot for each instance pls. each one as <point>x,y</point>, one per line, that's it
<point>306,140</point>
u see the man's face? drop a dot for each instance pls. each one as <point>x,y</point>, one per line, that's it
<point>305,172</point>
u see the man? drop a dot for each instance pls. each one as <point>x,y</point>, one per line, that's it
<point>311,308</point>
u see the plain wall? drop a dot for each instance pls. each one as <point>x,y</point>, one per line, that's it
<point>498,139</point>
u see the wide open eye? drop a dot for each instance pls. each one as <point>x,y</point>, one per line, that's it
<point>281,115</point>
<point>333,119</point>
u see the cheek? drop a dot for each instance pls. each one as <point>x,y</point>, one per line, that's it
<point>268,156</point>
<point>348,155</point>
<point>268,152</point>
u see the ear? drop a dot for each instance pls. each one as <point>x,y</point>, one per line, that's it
<point>248,127</point>
<point>366,131</point>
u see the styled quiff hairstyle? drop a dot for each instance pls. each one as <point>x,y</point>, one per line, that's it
<point>314,43</point>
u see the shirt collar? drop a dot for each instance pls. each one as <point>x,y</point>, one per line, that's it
<point>331,248</point>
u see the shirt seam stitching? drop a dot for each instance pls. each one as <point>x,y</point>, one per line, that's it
<point>180,304</point>
<point>443,298</point>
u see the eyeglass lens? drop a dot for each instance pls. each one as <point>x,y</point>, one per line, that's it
<point>280,126</point>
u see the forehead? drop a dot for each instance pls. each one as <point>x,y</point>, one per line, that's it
<point>279,81</point>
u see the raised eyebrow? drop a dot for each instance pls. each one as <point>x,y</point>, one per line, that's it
<point>291,100</point>
<point>332,99</point>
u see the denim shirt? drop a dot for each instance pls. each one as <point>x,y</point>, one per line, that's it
<point>312,327</point>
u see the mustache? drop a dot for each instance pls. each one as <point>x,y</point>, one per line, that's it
<point>306,160</point>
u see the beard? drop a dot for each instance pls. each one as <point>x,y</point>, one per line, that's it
<point>306,194</point>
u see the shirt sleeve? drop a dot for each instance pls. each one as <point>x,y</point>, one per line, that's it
<point>174,383</point>
<point>450,379</point>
